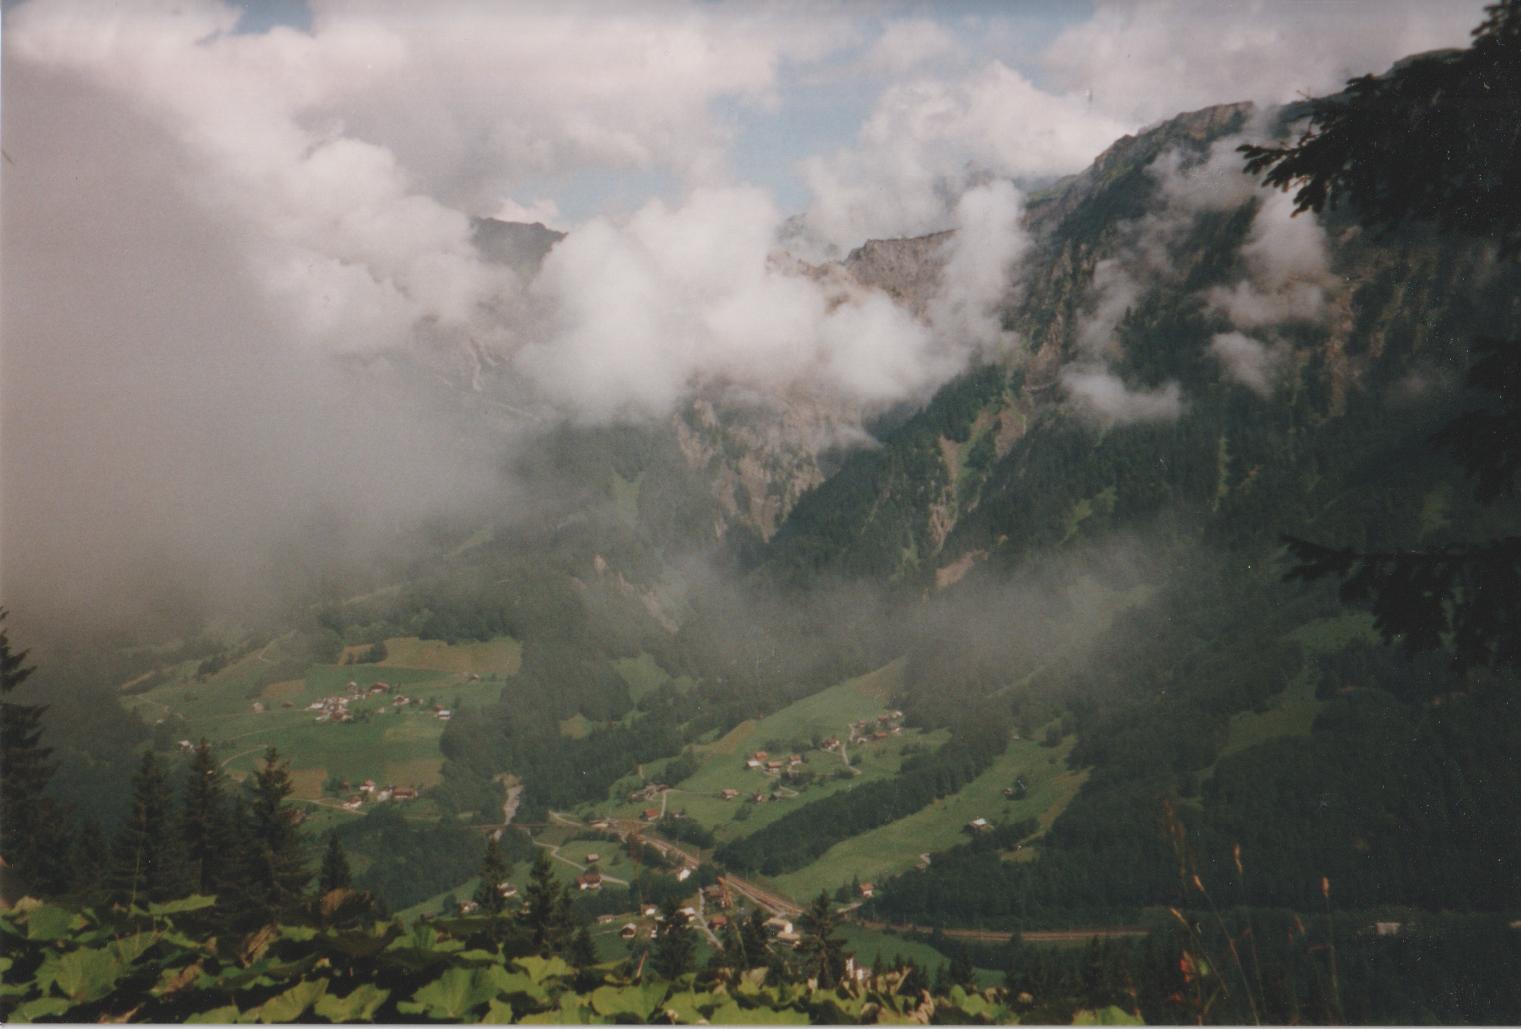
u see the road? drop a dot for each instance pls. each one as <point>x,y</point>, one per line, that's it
<point>1028,936</point>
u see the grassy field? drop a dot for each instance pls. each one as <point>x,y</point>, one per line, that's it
<point>790,730</point>
<point>384,743</point>
<point>1292,714</point>
<point>498,657</point>
<point>869,944</point>
<point>896,847</point>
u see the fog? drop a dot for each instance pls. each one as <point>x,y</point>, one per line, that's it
<point>250,341</point>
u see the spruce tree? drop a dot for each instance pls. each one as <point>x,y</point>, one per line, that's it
<point>753,940</point>
<point>28,820</point>
<point>494,872</point>
<point>543,897</point>
<point>278,866</point>
<point>821,953</point>
<point>148,858</point>
<point>675,943</point>
<point>335,874</point>
<point>206,821</point>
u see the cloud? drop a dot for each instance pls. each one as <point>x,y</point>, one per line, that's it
<point>907,44</point>
<point>1288,268</point>
<point>1101,394</point>
<point>1146,62</point>
<point>981,261</point>
<point>930,139</point>
<point>642,312</point>
<point>1248,361</point>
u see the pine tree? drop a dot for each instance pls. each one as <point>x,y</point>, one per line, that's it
<point>675,944</point>
<point>335,874</point>
<point>148,858</point>
<point>494,872</point>
<point>542,897</point>
<point>279,872</point>
<point>206,822</point>
<point>962,972</point>
<point>821,952</point>
<point>582,952</point>
<point>89,863</point>
<point>753,940</point>
<point>28,820</point>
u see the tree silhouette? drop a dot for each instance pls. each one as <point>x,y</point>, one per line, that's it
<point>1436,139</point>
<point>33,829</point>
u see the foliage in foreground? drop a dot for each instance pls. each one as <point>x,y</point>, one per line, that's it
<point>151,964</point>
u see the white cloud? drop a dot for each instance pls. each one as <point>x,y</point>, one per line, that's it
<point>907,44</point>
<point>981,259</point>
<point>640,313</point>
<point>1146,62</point>
<point>1250,362</point>
<point>1101,394</point>
<point>928,140</point>
<point>1288,269</point>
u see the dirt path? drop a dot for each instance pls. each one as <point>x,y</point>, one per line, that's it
<point>1029,936</point>
<point>554,853</point>
<point>509,810</point>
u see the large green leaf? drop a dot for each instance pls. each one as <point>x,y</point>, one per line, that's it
<point>195,902</point>
<point>455,993</point>
<point>572,1011</point>
<point>290,1005</point>
<point>358,1006</point>
<point>732,1014</point>
<point>42,1007</point>
<point>1111,1015</point>
<point>81,975</point>
<point>216,1016</point>
<point>638,1001</point>
<point>49,923</point>
<point>540,969</point>
<point>690,1006</point>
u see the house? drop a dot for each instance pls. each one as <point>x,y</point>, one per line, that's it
<point>507,889</point>
<point>400,702</point>
<point>468,907</point>
<point>649,910</point>
<point>979,825</point>
<point>1387,928</point>
<point>404,793</point>
<point>879,735</point>
<point>690,912</point>
<point>382,795</point>
<point>445,715</point>
<point>353,803</point>
<point>258,708</point>
<point>776,925</point>
<point>759,798</point>
<point>832,743</point>
<point>592,859</point>
<point>683,875</point>
<point>727,794</point>
<point>718,922</point>
<point>1008,791</point>
<point>376,688</point>
<point>753,762</point>
<point>793,760</point>
<point>866,890</point>
<point>600,823</point>
<point>606,919</point>
<point>368,786</point>
<point>628,932</point>
<point>895,713</point>
<point>789,938</point>
<point>315,705</point>
<point>591,880</point>
<point>773,766</point>
<point>650,814</point>
<point>186,745</point>
<point>761,755</point>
